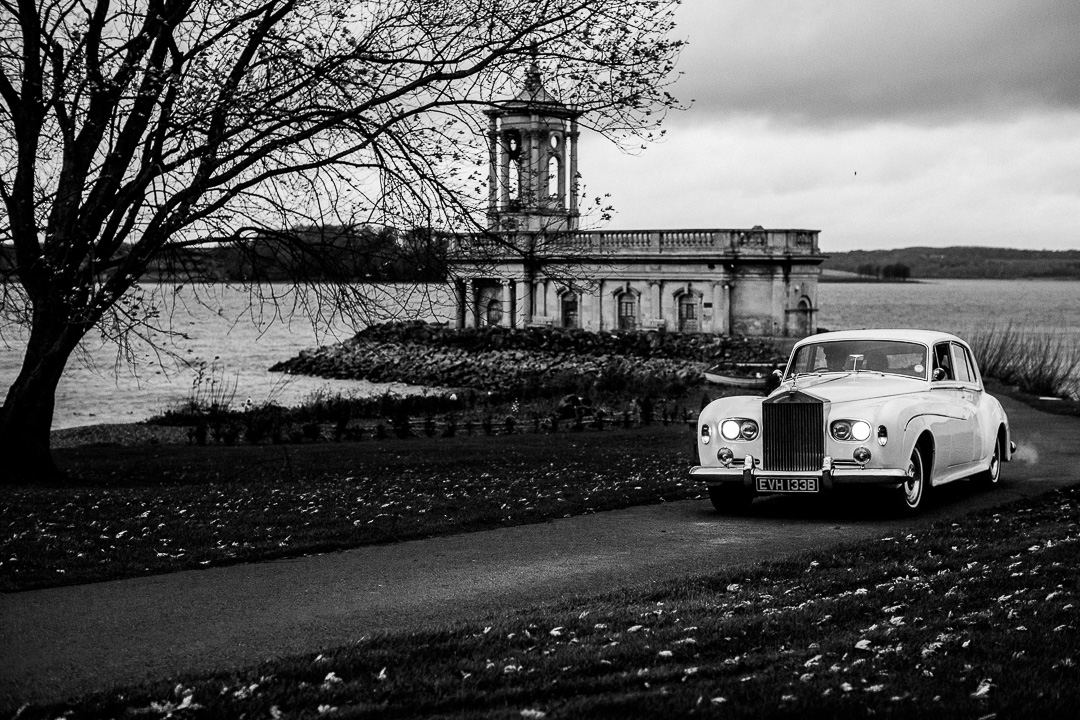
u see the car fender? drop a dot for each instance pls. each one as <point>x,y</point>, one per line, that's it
<point>992,417</point>
<point>735,406</point>
<point>921,424</point>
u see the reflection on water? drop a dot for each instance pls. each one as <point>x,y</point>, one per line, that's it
<point>218,323</point>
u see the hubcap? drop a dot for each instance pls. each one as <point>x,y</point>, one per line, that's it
<point>913,485</point>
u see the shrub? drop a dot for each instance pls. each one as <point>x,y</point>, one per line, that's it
<point>646,410</point>
<point>401,423</point>
<point>311,431</point>
<point>1037,363</point>
<point>598,420</point>
<point>226,432</point>
<point>262,422</point>
<point>451,427</point>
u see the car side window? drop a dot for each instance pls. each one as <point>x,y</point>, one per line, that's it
<point>942,362</point>
<point>963,355</point>
<point>960,364</point>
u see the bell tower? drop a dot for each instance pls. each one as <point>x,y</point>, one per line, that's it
<point>532,161</point>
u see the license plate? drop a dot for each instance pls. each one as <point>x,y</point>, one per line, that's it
<point>787,485</point>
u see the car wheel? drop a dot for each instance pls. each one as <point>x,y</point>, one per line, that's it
<point>912,490</point>
<point>730,499</point>
<point>991,475</point>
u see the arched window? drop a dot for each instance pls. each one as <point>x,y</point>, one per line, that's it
<point>689,313</point>
<point>569,303</point>
<point>494,311</point>
<point>554,168</point>
<point>804,316</point>
<point>627,309</point>
<point>514,157</point>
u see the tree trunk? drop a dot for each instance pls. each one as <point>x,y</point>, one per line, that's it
<point>26,417</point>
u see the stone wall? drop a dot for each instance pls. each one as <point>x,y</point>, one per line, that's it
<point>529,362</point>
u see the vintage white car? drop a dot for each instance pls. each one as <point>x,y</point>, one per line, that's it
<point>901,409</point>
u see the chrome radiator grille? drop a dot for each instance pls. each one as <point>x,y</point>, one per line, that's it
<point>793,435</point>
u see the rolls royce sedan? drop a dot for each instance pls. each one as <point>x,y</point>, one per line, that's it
<point>905,410</point>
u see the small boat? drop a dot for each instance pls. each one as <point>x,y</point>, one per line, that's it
<point>753,376</point>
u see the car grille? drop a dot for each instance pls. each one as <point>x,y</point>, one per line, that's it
<point>793,436</point>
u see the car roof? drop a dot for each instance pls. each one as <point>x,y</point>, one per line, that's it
<point>927,337</point>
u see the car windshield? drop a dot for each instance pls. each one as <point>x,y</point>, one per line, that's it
<point>890,357</point>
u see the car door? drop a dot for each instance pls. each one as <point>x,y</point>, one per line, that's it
<point>952,433</point>
<point>968,446</point>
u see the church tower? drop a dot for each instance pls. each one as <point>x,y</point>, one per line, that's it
<point>532,161</point>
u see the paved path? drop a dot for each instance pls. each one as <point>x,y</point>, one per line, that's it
<point>64,641</point>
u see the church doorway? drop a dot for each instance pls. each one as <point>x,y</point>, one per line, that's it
<point>689,313</point>
<point>804,315</point>
<point>628,311</point>
<point>570,310</point>
<point>494,311</point>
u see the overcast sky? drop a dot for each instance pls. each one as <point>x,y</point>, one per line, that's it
<point>882,124</point>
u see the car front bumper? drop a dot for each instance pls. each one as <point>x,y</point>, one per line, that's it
<point>829,476</point>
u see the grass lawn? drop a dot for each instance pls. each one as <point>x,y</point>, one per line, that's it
<point>160,508</point>
<point>970,618</point>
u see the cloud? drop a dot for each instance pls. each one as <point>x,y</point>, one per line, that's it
<point>882,124</point>
<point>1006,183</point>
<point>851,61</point>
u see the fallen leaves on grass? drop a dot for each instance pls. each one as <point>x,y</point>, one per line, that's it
<point>51,536</point>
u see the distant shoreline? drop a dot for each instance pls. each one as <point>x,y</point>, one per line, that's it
<point>826,277</point>
<point>956,263</point>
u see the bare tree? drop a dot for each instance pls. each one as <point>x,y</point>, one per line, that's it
<point>131,130</point>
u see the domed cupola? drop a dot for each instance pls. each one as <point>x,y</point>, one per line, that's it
<point>532,147</point>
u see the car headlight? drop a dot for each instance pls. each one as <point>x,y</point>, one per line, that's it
<point>850,430</point>
<point>730,429</point>
<point>860,430</point>
<point>748,429</point>
<point>739,429</point>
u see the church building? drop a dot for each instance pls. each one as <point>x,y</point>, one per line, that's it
<point>536,267</point>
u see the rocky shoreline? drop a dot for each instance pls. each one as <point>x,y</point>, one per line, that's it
<point>528,362</point>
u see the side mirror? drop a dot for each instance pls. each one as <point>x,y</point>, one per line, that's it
<point>778,374</point>
<point>939,374</point>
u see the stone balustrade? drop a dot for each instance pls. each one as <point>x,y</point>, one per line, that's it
<point>734,242</point>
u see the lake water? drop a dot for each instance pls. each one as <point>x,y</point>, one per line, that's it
<point>240,345</point>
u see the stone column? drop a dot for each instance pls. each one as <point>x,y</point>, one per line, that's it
<point>598,298</point>
<point>561,186</point>
<point>523,303</point>
<point>461,300</point>
<point>656,312</point>
<point>719,313</point>
<point>729,314</point>
<point>507,303</point>
<point>532,191</point>
<point>493,172</point>
<point>573,174</point>
<point>504,171</point>
<point>472,317</point>
<point>779,304</point>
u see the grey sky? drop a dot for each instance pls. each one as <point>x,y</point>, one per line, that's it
<point>860,61</point>
<point>883,124</point>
